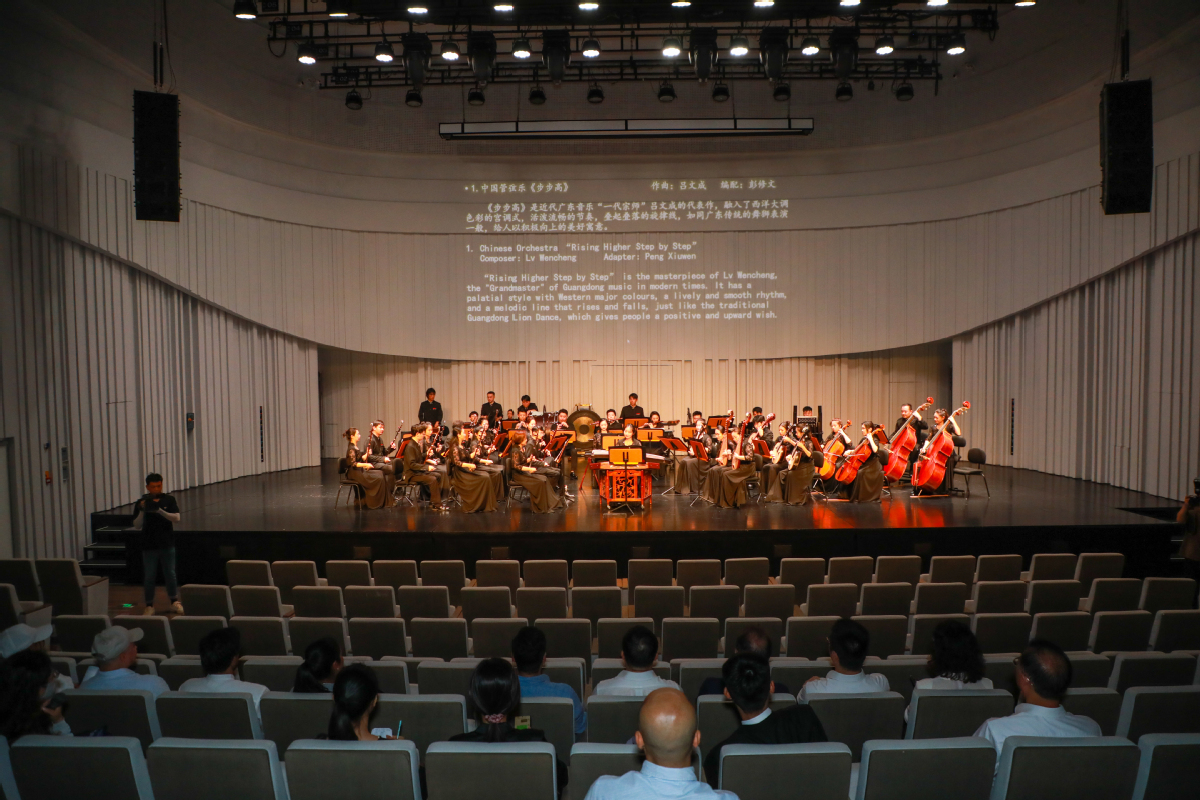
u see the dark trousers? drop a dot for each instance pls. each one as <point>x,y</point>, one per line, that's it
<point>432,483</point>
<point>150,561</point>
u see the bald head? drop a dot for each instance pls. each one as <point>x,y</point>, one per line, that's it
<point>667,728</point>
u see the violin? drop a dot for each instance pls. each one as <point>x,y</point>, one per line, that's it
<point>848,471</point>
<point>930,470</point>
<point>902,444</point>
<point>833,450</point>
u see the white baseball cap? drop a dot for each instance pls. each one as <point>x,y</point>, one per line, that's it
<point>112,642</point>
<point>21,637</point>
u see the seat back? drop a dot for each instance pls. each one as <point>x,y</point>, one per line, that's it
<point>1175,629</point>
<point>216,768</point>
<point>439,638</point>
<point>853,719</point>
<point>1091,566</point>
<point>777,601</point>
<point>743,572</point>
<point>262,636</point>
<point>206,600</point>
<point>611,630</point>
<point>649,572</point>
<point>1168,761</point>
<point>941,714</point>
<point>392,674</point>
<point>491,602</point>
<point>605,668</point>
<point>736,626</point>
<point>808,637</point>
<point>75,632</point>
<point>430,602</point>
<point>448,678</point>
<point>187,631</point>
<point>287,717</point>
<point>546,573</point>
<point>953,569</point>
<point>793,672</point>
<point>290,574</point>
<point>1090,670</point>
<point>277,673</point>
<point>902,672</point>
<point>802,573</point>
<point>427,718</point>
<point>370,602</point>
<point>775,772</point>
<point>998,568</point>
<point>395,573</point>
<point>469,770</point>
<point>1159,709</point>
<point>1114,594</point>
<point>595,603</point>
<point>832,600</point>
<point>492,638</point>
<point>308,601</point>
<point>693,672</point>
<point>1002,633</point>
<point>718,718</point>
<point>176,671</point>
<point>1031,767</point>
<point>698,572</point>
<point>499,573</point>
<point>383,770</point>
<point>851,569</point>
<point>718,602</point>
<point>1152,669</point>
<point>21,573</point>
<point>888,633</point>
<point>1050,596</point>
<point>885,598</point>
<point>124,712</point>
<point>1052,566</point>
<point>555,717</point>
<point>941,598</point>
<point>613,720</point>
<point>452,574</point>
<point>959,767</point>
<point>567,638</point>
<point>248,573</point>
<point>922,626</point>
<point>1000,597</point>
<point>303,631</point>
<point>591,760</point>
<point>542,602</point>
<point>344,574</point>
<point>898,569</point>
<point>569,671</point>
<point>1070,630</point>
<point>377,638</point>
<point>206,715</point>
<point>593,573</point>
<point>156,633</point>
<point>689,637</point>
<point>62,585</point>
<point>101,767</point>
<point>658,602</point>
<point>1120,630</point>
<point>264,601</point>
<point>1101,705</point>
<point>1160,594</point>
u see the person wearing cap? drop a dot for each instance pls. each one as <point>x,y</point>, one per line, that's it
<point>219,651</point>
<point>155,518</point>
<point>116,652</point>
<point>22,637</point>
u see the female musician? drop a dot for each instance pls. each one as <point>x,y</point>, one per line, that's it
<point>725,486</point>
<point>479,448</point>
<point>629,438</point>
<point>359,471</point>
<point>939,419</point>
<point>769,475</point>
<point>477,490</point>
<point>542,496</point>
<point>690,471</point>
<point>837,442</point>
<point>867,486</point>
<point>803,463</point>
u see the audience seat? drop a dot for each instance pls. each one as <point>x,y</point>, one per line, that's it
<point>187,631</point>
<point>101,768</point>
<point>897,569</point>
<point>287,717</point>
<point>1160,594</point>
<point>395,574</point>
<point>736,626</point>
<point>998,568</point>
<point>831,600</point>
<point>793,672</point>
<point>430,602</point>
<point>610,632</point>
<point>497,572</point>
<point>1002,633</point>
<point>248,573</point>
<point>718,718</point>
<point>264,601</point>
<point>376,638</point>
<point>124,712</point>
<point>692,672</point>
<point>1051,596</point>
<point>206,600</point>
<point>370,602</point>
<point>950,569</point>
<point>998,597</point>
<point>889,633</point>
<point>8,784</point>
<point>1101,705</point>
<point>492,638</point>
<point>542,602</point>
<point>1120,630</point>
<point>612,720</point>
<point>68,590</point>
<point>689,637</point>
<point>850,569</point>
<point>1169,761</point>
<point>175,671</point>
<point>595,603</point>
<point>440,638</point>
<point>1070,630</point>
<point>290,574</point>
<point>902,672</point>
<point>263,636</point>
<point>554,716</point>
<point>1051,567</point>
<point>277,673</point>
<point>207,715</point>
<point>960,768</point>
<point>587,573</point>
<point>446,677</point>
<point>187,768</point>
<point>808,637</point>
<point>75,632</point>
<point>920,627</point>
<point>567,670</point>
<point>649,572</point>
<point>156,632</point>
<point>885,599</point>
<point>945,714</point>
<point>591,760</point>
<point>605,668</point>
<point>14,611</point>
<point>345,574</point>
<point>940,598</point>
<point>658,603</point>
<point>470,770</point>
<point>1090,669</point>
<point>691,572</point>
<point>303,631</point>
<point>383,770</point>
<point>568,638</point>
<point>1112,594</point>
<point>1092,566</point>
<point>22,574</point>
<point>1159,709</point>
<point>815,771</point>
<point>743,572</point>
<point>451,574</point>
<point>854,719</point>
<point>1036,768</point>
<point>1175,629</point>
<point>801,573</point>
<point>488,602</point>
<point>546,574</point>
<point>1152,669</point>
<point>718,602</point>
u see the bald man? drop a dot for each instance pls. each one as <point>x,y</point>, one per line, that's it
<point>667,733</point>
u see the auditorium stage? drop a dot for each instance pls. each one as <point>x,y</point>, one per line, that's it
<point>290,515</point>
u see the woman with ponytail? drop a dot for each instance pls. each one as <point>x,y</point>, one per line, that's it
<point>322,662</point>
<point>355,699</point>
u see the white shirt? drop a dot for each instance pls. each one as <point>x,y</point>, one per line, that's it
<point>223,684</point>
<point>759,718</point>
<point>835,682</point>
<point>947,684</point>
<point>124,679</point>
<point>1031,720</point>
<point>633,684</point>
<point>654,782</point>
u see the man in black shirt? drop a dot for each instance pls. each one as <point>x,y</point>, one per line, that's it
<point>492,410</point>
<point>633,410</point>
<point>748,684</point>
<point>378,456</point>
<point>919,426</point>
<point>154,515</point>
<point>431,410</point>
<point>527,405</point>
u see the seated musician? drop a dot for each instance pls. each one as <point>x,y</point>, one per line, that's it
<point>379,456</point>
<point>562,426</point>
<point>417,470</point>
<point>725,485</point>
<point>919,427</point>
<point>483,455</point>
<point>510,414</point>
<point>472,419</point>
<point>614,422</point>
<point>528,405</point>
<point>633,410</point>
<point>522,419</point>
<point>769,474</point>
<point>375,491</point>
<point>655,421</point>
<point>939,419</point>
<point>542,495</point>
<point>867,486</point>
<point>477,489</point>
<point>629,438</point>
<point>689,470</point>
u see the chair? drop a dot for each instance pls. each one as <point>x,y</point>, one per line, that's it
<point>743,572</point>
<point>854,719</point>
<point>22,574</point>
<point>889,633</point>
<point>554,716</point>
<point>392,673</point>
<point>492,638</point>
<point>1171,594</point>
<point>101,767</point>
<point>897,569</point>
<point>1112,594</point>
<point>1101,705</point>
<point>944,714</point>
<point>568,638</point>
<point>395,573</point>
<point>610,632</point>
<point>261,601</point>
<point>344,574</point>
<point>1051,567</point>
<point>1070,630</point>
<point>468,770</point>
<point>590,761</point>
<point>499,573</point>
<point>921,627</point>
<point>202,600</point>
<point>649,572</point>
<point>75,632</point>
<point>950,569</point>
<point>187,631</point>
<point>431,602</point>
<point>156,633</point>
<point>612,720</point>
<point>1159,709</point>
<point>1037,768</point>
<point>1151,669</point>
<point>717,602</point>
<point>14,610</point>
<point>452,574</point>
<point>595,603</point>
<point>69,590</point>
<point>808,637</point>
<point>815,771</point>
<point>1175,629</point>
<point>371,602</point>
<point>303,631</point>
<point>697,572</point>
<point>977,458</point>
<point>287,717</point>
<point>447,678</point>
<point>566,670</point>
<point>902,672</point>
<point>693,672</point>
<point>793,672</point>
<point>543,602</point>
<point>605,668</point>
<point>593,573</point>
<point>126,712</point>
<point>801,573</point>
<point>440,638</point>
<point>998,597</point>
<point>205,715</point>
<point>545,574</point>
<point>1090,670</point>
<point>263,636</point>
<point>689,637</point>
<point>383,770</point>
<point>290,574</point>
<point>885,599</point>
<point>490,602</point>
<point>353,490</point>
<point>1098,565</point>
<point>658,602</point>
<point>940,598</point>
<point>1169,761</point>
<point>998,568</point>
<point>831,600</point>
<point>308,601</point>
<point>277,673</point>
<point>851,569</point>
<point>1051,596</point>
<point>736,626</point>
<point>1120,630</point>
<point>778,601</point>
<point>248,573</point>
<point>248,770</point>
<point>959,767</point>
<point>1002,633</point>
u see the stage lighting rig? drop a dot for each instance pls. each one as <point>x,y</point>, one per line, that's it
<point>521,49</point>
<point>720,92</point>
<point>353,100</point>
<point>666,92</point>
<point>556,53</point>
<point>245,9</point>
<point>475,96</point>
<point>481,55</point>
<point>417,50</point>
<point>595,94</point>
<point>537,96</point>
<point>702,51</point>
<point>843,44</point>
<point>773,51</point>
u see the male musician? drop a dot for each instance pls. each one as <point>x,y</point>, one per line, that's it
<point>491,409</point>
<point>431,410</point>
<point>561,424</point>
<point>378,456</point>
<point>940,418</point>
<point>633,410</point>
<point>540,457</point>
<point>415,468</point>
<point>614,422</point>
<point>528,405</point>
<point>472,419</point>
<point>919,426</point>
<point>522,419</point>
<point>806,411</point>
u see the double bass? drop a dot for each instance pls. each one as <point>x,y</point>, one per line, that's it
<point>931,468</point>
<point>833,451</point>
<point>902,444</point>
<point>848,471</point>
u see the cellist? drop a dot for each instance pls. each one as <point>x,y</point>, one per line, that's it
<point>867,486</point>
<point>837,442</point>
<point>940,418</point>
<point>919,427</point>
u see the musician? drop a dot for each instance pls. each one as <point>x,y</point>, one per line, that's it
<point>491,410</point>
<point>510,414</point>
<point>380,457</point>
<point>919,427</point>
<point>803,463</point>
<point>542,496</point>
<point>483,455</point>
<point>629,438</point>
<point>472,420</point>
<point>544,459</point>
<point>725,485</point>
<point>431,410</point>
<point>769,473</point>
<point>690,471</point>
<point>839,433</point>
<point>633,410</point>
<point>867,486</point>
<point>360,471</point>
<point>939,419</point>
<point>417,470</point>
<point>528,405</point>
<point>612,419</point>
<point>522,419</point>
<point>763,429</point>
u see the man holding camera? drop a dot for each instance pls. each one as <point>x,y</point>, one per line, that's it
<point>1189,515</point>
<point>155,516</point>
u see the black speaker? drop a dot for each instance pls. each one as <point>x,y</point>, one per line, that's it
<point>156,156</point>
<point>1126,147</point>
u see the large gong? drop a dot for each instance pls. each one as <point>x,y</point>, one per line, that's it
<point>584,422</point>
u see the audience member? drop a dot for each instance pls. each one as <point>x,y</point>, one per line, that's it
<point>355,702</point>
<point>955,660</point>
<point>322,662</point>
<point>753,640</point>
<point>639,654</point>
<point>26,697</point>
<point>1043,674</point>
<point>115,650</point>
<point>848,643</point>
<point>219,652</point>
<point>667,734</point>
<point>22,637</point>
<point>747,678</point>
<point>529,656</point>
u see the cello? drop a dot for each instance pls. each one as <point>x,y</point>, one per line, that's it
<point>848,471</point>
<point>833,450</point>
<point>902,444</point>
<point>931,468</point>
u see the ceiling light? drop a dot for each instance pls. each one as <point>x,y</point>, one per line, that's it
<point>384,52</point>
<point>306,53</point>
<point>1025,3</point>
<point>475,96</point>
<point>520,48</point>
<point>418,9</point>
<point>681,3</point>
<point>595,94</point>
<point>503,7</point>
<point>904,92</point>
<point>782,92</point>
<point>537,96</point>
<point>586,6</point>
<point>591,48</point>
<point>844,91</point>
<point>720,93</point>
<point>936,3</point>
<point>353,100</point>
<point>245,9</point>
<point>666,92</point>
<point>957,45</point>
<point>811,46</point>
<point>849,3</point>
<point>763,3</point>
<point>413,98</point>
<point>450,51</point>
<point>702,51</point>
<point>884,45</point>
<point>739,46</point>
<point>336,8</point>
<point>671,46</point>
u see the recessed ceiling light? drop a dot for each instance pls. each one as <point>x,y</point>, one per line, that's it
<point>957,45</point>
<point>936,3</point>
<point>849,3</point>
<point>681,3</point>
<point>306,53</point>
<point>245,9</point>
<point>384,53</point>
<point>1025,3</point>
<point>503,6</point>
<point>418,9</point>
<point>763,3</point>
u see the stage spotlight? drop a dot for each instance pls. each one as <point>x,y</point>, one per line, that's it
<point>537,96</point>
<point>450,51</point>
<point>843,45</point>
<point>773,51</point>
<point>782,92</point>
<point>702,51</point>
<point>884,45</point>
<point>503,7</point>
<point>337,8</point>
<point>520,48</point>
<point>844,91</point>
<point>245,9</point>
<point>413,98</point>
<point>306,53</point>
<point>586,6</point>
<point>556,53</point>
<point>595,94</point>
<point>384,52</point>
<point>666,92</point>
<point>481,55</point>
<point>591,49</point>
<point>957,45</point>
<point>810,46</point>
<point>418,9</point>
<point>720,93</point>
<point>904,92</point>
<point>417,49</point>
<point>353,100</point>
<point>739,46</point>
<point>671,46</point>
<point>475,96</point>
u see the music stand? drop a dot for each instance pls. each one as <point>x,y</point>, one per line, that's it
<point>715,422</point>
<point>508,424</point>
<point>625,457</point>
<point>637,422</point>
<point>607,440</point>
<point>650,434</point>
<point>761,448</point>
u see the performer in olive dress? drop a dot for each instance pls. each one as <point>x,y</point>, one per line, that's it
<point>477,489</point>
<point>725,486</point>
<point>867,487</point>
<point>805,459</point>
<point>689,470</point>
<point>542,496</point>
<point>361,472</point>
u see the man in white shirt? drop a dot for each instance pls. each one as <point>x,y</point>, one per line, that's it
<point>115,650</point>
<point>667,732</point>
<point>1043,673</point>
<point>639,654</point>
<point>219,651</point>
<point>848,643</point>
